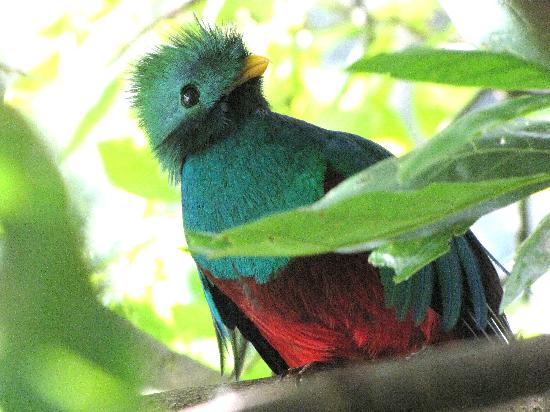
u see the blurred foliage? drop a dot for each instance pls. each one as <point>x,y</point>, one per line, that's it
<point>516,26</point>
<point>94,115</point>
<point>532,261</point>
<point>146,180</point>
<point>71,81</point>
<point>60,348</point>
<point>39,75</point>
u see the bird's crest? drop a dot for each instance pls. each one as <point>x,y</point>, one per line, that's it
<point>209,59</point>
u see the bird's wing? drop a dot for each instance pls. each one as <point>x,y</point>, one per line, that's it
<point>463,285</point>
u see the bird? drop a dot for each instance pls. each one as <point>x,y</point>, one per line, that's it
<point>200,102</point>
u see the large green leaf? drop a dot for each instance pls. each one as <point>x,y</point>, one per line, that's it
<point>466,129</point>
<point>135,170</point>
<point>458,67</point>
<point>517,149</point>
<point>485,166</point>
<point>93,116</point>
<point>61,350</point>
<point>532,261</point>
<point>366,220</point>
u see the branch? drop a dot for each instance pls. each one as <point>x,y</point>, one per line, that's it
<point>4,68</point>
<point>524,221</point>
<point>459,375</point>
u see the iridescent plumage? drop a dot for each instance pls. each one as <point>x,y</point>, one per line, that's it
<point>239,161</point>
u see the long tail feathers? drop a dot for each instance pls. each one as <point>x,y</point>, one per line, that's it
<point>462,285</point>
<point>239,346</point>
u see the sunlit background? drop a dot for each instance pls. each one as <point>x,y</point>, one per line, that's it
<point>65,64</point>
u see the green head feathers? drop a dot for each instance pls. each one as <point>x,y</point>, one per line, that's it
<point>194,91</point>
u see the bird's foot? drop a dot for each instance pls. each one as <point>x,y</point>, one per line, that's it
<point>308,369</point>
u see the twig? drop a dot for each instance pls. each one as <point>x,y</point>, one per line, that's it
<point>417,33</point>
<point>524,221</point>
<point>11,70</point>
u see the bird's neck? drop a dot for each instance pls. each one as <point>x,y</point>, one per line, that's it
<point>245,101</point>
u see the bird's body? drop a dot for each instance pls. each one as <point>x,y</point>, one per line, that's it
<point>282,296</point>
<point>238,161</point>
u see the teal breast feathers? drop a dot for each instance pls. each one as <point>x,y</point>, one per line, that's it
<point>243,177</point>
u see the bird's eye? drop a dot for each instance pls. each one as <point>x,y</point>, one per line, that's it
<point>189,95</point>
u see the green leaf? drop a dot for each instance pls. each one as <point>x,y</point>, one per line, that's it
<point>57,28</point>
<point>486,69</point>
<point>531,262</point>
<point>408,256</point>
<point>93,116</point>
<point>485,165</point>
<point>365,220</point>
<point>107,7</point>
<point>135,170</point>
<point>40,75</point>
<point>517,149</point>
<point>62,25</point>
<point>465,130</point>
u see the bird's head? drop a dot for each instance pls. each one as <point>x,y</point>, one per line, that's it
<point>194,91</point>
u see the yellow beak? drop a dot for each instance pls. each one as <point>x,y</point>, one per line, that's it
<point>254,66</point>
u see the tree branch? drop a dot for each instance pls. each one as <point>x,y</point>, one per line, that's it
<point>459,375</point>
<point>4,68</point>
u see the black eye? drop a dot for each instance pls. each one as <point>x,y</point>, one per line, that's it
<point>189,95</point>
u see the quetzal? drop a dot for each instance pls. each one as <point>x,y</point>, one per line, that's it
<point>200,102</point>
